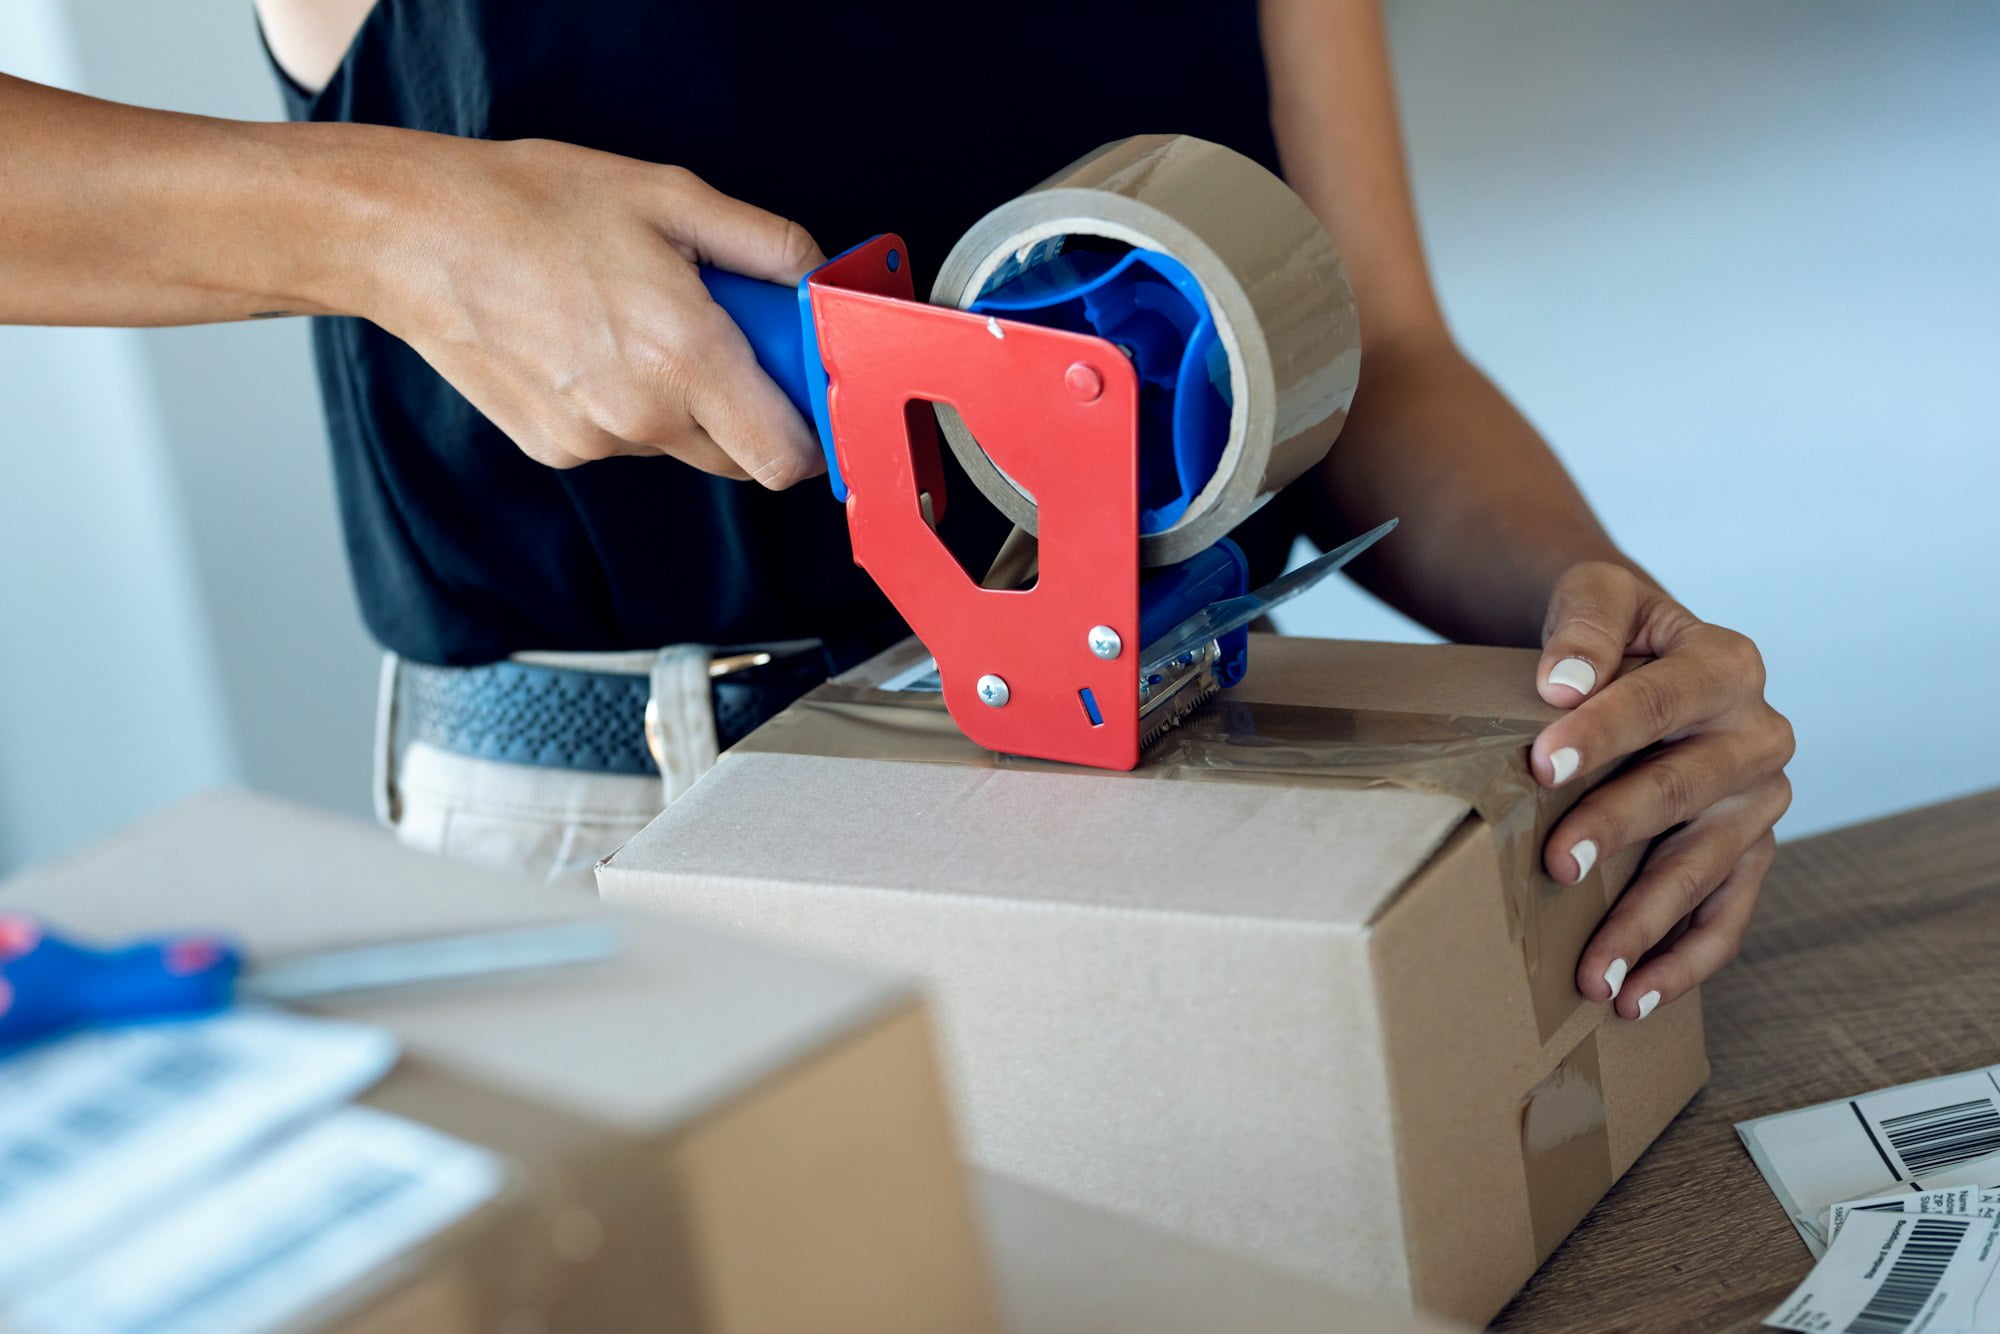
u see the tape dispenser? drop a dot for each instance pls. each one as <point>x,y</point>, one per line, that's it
<point>1127,360</point>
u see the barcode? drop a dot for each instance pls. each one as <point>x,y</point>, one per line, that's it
<point>110,1114</point>
<point>1942,1136</point>
<point>373,1187</point>
<point>1910,1283</point>
<point>299,1223</point>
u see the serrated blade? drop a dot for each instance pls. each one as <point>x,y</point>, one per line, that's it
<point>1175,692</point>
<point>1179,711</point>
<point>1219,618</point>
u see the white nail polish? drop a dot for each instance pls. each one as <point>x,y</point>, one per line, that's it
<point>1585,853</point>
<point>1564,761</point>
<point>1647,1002</point>
<point>1575,673</point>
<point>1614,976</point>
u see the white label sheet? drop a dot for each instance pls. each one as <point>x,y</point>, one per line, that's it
<point>1955,1200</point>
<point>1914,1137</point>
<point>106,1127</point>
<point>299,1224</point>
<point>921,678</point>
<point>1895,1274</point>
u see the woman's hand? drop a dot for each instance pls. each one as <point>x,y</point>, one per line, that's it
<point>1708,773</point>
<point>555,287</point>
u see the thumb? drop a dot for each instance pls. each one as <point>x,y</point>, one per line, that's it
<point>733,235</point>
<point>1590,621</point>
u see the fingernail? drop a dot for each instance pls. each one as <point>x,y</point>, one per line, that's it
<point>1614,976</point>
<point>1647,1003</point>
<point>1585,853</point>
<point>1564,762</point>
<point>1575,673</point>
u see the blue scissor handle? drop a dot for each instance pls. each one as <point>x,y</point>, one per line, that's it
<point>49,985</point>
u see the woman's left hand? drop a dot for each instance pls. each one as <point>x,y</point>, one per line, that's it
<point>1708,773</point>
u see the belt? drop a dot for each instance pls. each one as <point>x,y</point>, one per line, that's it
<point>563,718</point>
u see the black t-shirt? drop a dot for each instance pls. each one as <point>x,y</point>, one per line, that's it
<point>913,116</point>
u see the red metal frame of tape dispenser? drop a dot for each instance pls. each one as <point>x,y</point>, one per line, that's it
<point>1054,670</point>
<point>1056,411</point>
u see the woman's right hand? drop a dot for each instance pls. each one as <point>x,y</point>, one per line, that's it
<point>555,287</point>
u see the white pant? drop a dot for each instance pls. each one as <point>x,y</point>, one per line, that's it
<point>556,824</point>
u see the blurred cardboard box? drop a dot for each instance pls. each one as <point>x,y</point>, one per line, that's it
<point>1297,987</point>
<point>702,1133</point>
<point>1067,1268</point>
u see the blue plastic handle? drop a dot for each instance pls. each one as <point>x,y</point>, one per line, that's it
<point>778,321</point>
<point>49,985</point>
<point>768,315</point>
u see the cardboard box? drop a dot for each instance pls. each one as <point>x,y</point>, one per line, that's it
<point>1297,987</point>
<point>1067,1268</point>
<point>703,1133</point>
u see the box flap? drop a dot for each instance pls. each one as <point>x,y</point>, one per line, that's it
<point>687,1015</point>
<point>276,876</point>
<point>1311,792</point>
<point>1241,849</point>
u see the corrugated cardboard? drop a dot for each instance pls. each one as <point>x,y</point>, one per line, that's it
<point>1067,1268</point>
<point>702,1134</point>
<point>1297,987</point>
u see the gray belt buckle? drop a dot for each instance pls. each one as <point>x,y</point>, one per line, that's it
<point>723,664</point>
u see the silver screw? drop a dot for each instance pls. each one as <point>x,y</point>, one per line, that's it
<point>1105,643</point>
<point>992,691</point>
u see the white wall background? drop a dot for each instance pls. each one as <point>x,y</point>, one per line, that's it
<point>174,611</point>
<point>1737,259</point>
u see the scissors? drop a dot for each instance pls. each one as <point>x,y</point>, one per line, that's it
<point>50,984</point>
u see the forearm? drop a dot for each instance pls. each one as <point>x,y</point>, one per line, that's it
<point>1490,518</point>
<point>554,286</point>
<point>115,215</point>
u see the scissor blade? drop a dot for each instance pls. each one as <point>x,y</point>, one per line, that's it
<point>432,959</point>
<point>1219,618</point>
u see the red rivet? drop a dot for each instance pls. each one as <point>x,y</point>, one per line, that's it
<point>18,935</point>
<point>1085,385</point>
<point>185,958</point>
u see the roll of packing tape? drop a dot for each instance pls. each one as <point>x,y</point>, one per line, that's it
<point>1280,299</point>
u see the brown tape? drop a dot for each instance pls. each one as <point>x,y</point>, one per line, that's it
<point>1565,1146</point>
<point>1480,761</point>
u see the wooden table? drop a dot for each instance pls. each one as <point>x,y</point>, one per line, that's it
<point>1874,960</point>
